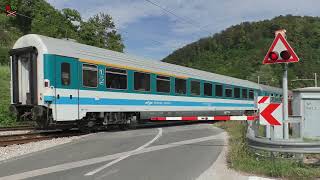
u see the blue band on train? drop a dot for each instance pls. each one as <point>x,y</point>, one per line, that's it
<point>137,102</point>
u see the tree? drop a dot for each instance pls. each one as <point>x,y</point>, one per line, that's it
<point>100,31</point>
<point>39,17</point>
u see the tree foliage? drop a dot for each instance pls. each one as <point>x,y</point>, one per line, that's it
<point>239,50</point>
<point>39,17</point>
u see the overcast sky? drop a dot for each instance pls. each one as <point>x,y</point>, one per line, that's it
<point>153,33</point>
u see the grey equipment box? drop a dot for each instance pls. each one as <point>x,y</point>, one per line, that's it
<point>306,103</point>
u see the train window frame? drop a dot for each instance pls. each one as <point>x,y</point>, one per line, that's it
<point>246,90</point>
<point>204,89</point>
<point>234,92</point>
<point>134,84</point>
<point>185,86</point>
<point>225,91</point>
<point>215,90</point>
<point>191,87</point>
<point>163,78</point>
<point>117,73</point>
<point>251,90</point>
<point>69,73</point>
<point>96,67</point>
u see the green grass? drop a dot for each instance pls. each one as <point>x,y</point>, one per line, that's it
<point>241,158</point>
<point>5,118</point>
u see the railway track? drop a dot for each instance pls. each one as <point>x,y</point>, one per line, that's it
<point>7,140</point>
<point>17,128</point>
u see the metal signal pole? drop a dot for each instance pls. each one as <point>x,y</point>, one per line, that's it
<point>285,93</point>
<point>285,101</point>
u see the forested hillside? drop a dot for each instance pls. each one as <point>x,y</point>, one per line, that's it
<point>239,50</point>
<point>39,17</point>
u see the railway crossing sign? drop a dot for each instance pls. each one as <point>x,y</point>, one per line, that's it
<point>270,114</point>
<point>280,52</point>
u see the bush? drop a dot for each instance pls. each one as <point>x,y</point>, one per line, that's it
<point>5,117</point>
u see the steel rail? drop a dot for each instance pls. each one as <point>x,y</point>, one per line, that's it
<point>7,140</point>
<point>17,128</point>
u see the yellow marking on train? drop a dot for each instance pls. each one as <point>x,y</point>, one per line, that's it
<point>129,68</point>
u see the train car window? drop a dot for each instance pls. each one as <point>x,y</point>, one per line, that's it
<point>228,92</point>
<point>65,74</point>
<point>251,94</point>
<point>219,90</point>
<point>181,86</point>
<point>244,93</point>
<point>141,81</point>
<point>163,84</point>
<point>195,88</point>
<point>207,89</point>
<point>116,78</point>
<point>89,75</point>
<point>237,92</point>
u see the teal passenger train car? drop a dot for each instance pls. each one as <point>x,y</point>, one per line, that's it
<point>62,83</point>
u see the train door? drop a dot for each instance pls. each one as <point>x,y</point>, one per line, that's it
<point>24,76</point>
<point>67,89</point>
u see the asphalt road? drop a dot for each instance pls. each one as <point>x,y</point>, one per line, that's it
<point>178,152</point>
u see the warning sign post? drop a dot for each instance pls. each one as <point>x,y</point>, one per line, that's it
<point>281,52</point>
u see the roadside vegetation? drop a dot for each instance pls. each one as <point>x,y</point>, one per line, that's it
<point>5,118</point>
<point>241,158</point>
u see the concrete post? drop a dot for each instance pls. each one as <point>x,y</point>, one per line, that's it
<point>315,80</point>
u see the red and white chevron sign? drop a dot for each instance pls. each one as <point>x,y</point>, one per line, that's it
<point>270,114</point>
<point>263,99</point>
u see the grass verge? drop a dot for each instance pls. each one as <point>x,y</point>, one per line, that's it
<point>5,118</point>
<point>241,158</point>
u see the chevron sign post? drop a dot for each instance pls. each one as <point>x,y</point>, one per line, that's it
<point>270,114</point>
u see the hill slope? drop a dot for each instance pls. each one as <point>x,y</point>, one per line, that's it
<point>239,50</point>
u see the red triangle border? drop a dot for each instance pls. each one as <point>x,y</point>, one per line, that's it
<point>294,57</point>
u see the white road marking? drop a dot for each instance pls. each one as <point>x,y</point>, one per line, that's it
<point>107,174</point>
<point>82,163</point>
<point>127,155</point>
<point>258,178</point>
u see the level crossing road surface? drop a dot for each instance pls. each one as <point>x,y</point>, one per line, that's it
<point>176,152</point>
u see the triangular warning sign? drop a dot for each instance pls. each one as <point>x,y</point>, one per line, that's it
<point>280,52</point>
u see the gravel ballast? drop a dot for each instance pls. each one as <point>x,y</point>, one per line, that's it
<point>22,149</point>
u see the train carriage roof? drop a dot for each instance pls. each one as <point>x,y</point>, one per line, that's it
<point>47,45</point>
<point>270,89</point>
